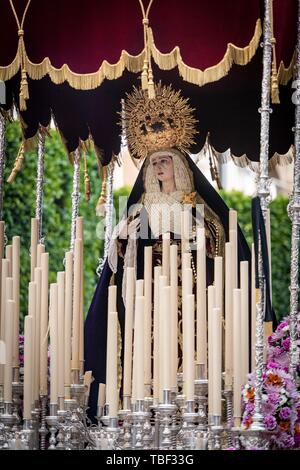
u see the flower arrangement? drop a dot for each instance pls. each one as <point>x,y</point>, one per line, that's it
<point>280,398</point>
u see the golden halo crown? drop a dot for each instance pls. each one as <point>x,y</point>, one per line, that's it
<point>155,124</point>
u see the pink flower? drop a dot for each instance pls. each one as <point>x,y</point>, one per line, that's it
<point>274,398</point>
<point>270,422</point>
<point>282,325</point>
<point>286,344</point>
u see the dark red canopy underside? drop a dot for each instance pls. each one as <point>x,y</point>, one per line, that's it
<point>228,109</point>
<point>83,33</point>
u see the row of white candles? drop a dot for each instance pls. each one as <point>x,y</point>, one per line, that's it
<point>62,317</point>
<point>210,308</point>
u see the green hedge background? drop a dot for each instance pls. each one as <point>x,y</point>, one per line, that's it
<point>19,207</point>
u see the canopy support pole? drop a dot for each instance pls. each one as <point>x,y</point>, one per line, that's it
<point>109,205</point>
<point>264,195</point>
<point>75,196</point>
<point>2,161</point>
<point>294,214</point>
<point>40,181</point>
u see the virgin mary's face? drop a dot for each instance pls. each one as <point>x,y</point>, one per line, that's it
<point>163,168</point>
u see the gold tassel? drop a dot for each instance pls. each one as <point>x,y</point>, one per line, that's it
<point>18,164</point>
<point>87,181</point>
<point>100,208</point>
<point>151,89</point>
<point>274,77</point>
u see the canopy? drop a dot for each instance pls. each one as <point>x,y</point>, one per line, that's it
<point>80,58</point>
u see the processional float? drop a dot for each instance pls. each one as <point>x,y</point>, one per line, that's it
<point>214,79</point>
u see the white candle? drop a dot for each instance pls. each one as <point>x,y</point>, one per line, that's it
<point>244,272</point>
<point>162,284</point>
<point>268,234</point>
<point>174,314</point>
<point>201,300</point>
<point>80,235</point>
<point>216,361</point>
<point>9,286</point>
<point>112,307</point>
<point>228,316</point>
<point>101,395</point>
<point>147,318</point>
<point>68,321</point>
<point>233,239</point>
<point>237,383</point>
<point>186,223</point>
<point>211,302</point>
<point>140,288</point>
<point>44,325</point>
<point>253,309</point>
<point>187,289</point>
<point>218,274</point>
<point>32,311</point>
<point>2,231</point>
<point>53,342</point>
<point>76,304</point>
<point>9,324</point>
<point>166,256</point>
<point>33,245</point>
<point>4,275</point>
<point>166,322</point>
<point>139,347</point>
<point>16,297</point>
<point>189,339</point>
<point>157,274</point>
<point>112,354</point>
<point>40,251</point>
<point>130,281</point>
<point>61,337</point>
<point>28,372</point>
<point>9,255</point>
<point>37,347</point>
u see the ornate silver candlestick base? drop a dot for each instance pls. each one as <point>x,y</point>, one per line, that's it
<point>216,430</point>
<point>52,421</point>
<point>166,412</point>
<point>190,419</point>
<point>228,394</point>
<point>254,439</point>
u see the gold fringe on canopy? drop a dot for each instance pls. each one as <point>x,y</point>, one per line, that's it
<point>233,55</point>
<point>285,74</point>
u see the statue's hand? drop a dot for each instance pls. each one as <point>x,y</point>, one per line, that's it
<point>128,228</point>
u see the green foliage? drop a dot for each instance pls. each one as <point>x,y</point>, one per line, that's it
<point>280,243</point>
<point>19,207</point>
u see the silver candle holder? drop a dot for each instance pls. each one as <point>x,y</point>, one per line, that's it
<point>166,411</point>
<point>52,421</point>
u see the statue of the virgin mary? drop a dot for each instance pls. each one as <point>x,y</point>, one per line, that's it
<point>159,131</point>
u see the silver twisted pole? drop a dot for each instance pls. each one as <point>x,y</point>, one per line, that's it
<point>2,161</point>
<point>40,181</point>
<point>75,196</point>
<point>294,213</point>
<point>109,206</point>
<point>264,195</point>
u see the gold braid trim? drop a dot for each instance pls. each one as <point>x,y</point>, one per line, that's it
<point>233,55</point>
